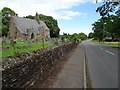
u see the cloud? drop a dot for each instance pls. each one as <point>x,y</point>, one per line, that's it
<point>66,14</point>
<point>59,9</point>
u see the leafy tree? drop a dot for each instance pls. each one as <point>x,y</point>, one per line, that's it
<point>107,27</point>
<point>4,30</point>
<point>6,14</point>
<point>110,23</point>
<point>112,26</point>
<point>98,30</point>
<point>74,37</point>
<point>91,35</point>
<point>107,8</point>
<point>82,36</point>
<point>30,17</point>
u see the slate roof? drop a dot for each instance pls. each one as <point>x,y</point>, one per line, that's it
<point>26,25</point>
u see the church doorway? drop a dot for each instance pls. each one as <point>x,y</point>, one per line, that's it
<point>32,36</point>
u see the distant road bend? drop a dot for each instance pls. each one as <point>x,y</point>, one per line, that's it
<point>102,63</point>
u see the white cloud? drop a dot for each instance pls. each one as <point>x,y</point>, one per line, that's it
<point>59,9</point>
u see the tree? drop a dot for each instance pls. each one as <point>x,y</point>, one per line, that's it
<point>82,36</point>
<point>107,8</point>
<point>98,28</point>
<point>6,14</point>
<point>112,26</point>
<point>30,17</point>
<point>107,27</point>
<point>91,35</point>
<point>75,37</point>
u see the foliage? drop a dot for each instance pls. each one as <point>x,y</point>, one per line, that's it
<point>0,30</point>
<point>107,7</point>
<point>30,17</point>
<point>91,35</point>
<point>113,26</point>
<point>110,23</point>
<point>6,14</point>
<point>50,22</point>
<point>82,36</point>
<point>74,36</point>
<point>4,30</point>
<point>107,27</point>
<point>98,29</point>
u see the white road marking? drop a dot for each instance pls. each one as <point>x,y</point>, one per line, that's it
<point>109,52</point>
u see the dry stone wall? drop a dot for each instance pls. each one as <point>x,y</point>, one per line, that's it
<point>24,70</point>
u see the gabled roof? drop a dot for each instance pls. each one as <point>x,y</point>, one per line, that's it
<point>26,25</point>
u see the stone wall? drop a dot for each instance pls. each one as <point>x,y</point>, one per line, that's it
<point>24,70</point>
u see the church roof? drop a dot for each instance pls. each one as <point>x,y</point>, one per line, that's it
<point>26,25</point>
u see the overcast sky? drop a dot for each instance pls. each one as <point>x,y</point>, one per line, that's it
<point>73,16</point>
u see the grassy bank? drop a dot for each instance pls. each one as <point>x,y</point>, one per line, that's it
<point>107,43</point>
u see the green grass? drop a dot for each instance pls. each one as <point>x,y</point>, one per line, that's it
<point>107,43</point>
<point>29,47</point>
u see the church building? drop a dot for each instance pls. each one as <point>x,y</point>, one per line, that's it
<point>28,29</point>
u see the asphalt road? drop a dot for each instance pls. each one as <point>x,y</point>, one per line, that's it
<point>102,63</point>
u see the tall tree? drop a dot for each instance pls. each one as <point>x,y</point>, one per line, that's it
<point>6,14</point>
<point>107,7</point>
<point>107,27</point>
<point>98,28</point>
<point>113,26</point>
<point>91,35</point>
<point>82,36</point>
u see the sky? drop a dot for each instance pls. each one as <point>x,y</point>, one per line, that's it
<point>73,16</point>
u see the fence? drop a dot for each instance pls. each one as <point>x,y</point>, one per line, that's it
<point>25,70</point>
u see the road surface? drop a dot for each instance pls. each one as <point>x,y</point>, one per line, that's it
<point>102,63</point>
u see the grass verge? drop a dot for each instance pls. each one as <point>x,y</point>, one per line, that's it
<point>107,43</point>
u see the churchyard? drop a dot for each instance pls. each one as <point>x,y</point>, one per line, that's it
<point>16,47</point>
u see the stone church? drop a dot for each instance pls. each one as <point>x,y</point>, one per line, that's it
<point>28,29</point>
